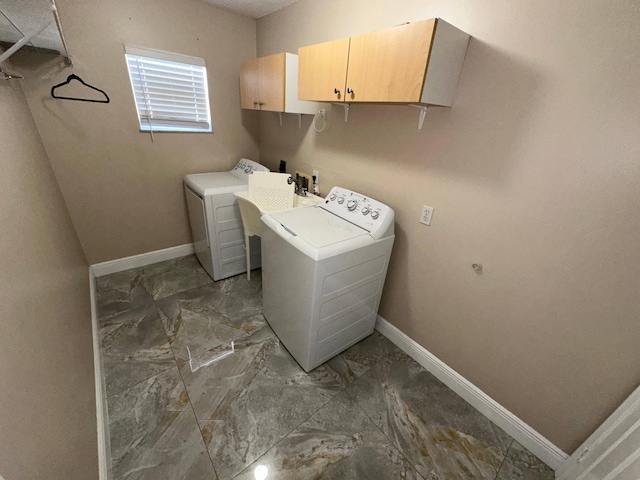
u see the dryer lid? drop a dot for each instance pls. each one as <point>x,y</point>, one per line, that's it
<point>317,226</point>
<point>224,182</point>
<point>213,183</point>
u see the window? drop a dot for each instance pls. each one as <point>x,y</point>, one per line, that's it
<point>170,91</point>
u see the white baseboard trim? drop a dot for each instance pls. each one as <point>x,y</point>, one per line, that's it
<point>104,444</point>
<point>121,264</point>
<point>608,447</point>
<point>544,449</point>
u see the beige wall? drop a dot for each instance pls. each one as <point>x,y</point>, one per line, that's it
<point>534,172</point>
<point>124,193</point>
<point>47,393</point>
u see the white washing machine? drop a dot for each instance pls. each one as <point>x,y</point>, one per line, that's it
<point>216,224</point>
<point>323,270</point>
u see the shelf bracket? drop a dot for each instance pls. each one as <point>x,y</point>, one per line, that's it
<point>5,75</point>
<point>423,113</point>
<point>67,58</point>
<point>20,43</point>
<point>280,115</point>
<point>346,110</point>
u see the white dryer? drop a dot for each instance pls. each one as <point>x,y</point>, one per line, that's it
<point>323,270</point>
<point>216,224</point>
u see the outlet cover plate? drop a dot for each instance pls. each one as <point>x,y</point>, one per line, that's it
<point>426,215</point>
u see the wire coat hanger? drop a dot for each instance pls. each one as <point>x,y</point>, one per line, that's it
<point>75,77</point>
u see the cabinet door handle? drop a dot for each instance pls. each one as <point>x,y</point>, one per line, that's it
<point>349,90</point>
<point>255,104</point>
<point>336,91</point>
<point>260,103</point>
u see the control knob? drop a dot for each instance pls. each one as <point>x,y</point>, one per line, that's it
<point>351,205</point>
<point>341,200</point>
<point>332,197</point>
<point>375,215</point>
<point>365,210</point>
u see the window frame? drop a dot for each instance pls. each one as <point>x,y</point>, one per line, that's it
<point>164,124</point>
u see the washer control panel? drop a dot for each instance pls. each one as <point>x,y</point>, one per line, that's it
<point>365,212</point>
<point>247,167</point>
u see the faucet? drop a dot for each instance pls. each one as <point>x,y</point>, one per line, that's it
<point>304,187</point>
<point>301,185</point>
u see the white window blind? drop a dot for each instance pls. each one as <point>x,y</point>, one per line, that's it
<point>170,90</point>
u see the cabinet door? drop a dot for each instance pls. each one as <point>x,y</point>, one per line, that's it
<point>389,65</point>
<point>271,71</point>
<point>322,69</point>
<point>249,91</point>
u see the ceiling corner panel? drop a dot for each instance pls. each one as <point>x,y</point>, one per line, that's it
<point>23,17</point>
<point>8,33</point>
<point>251,8</point>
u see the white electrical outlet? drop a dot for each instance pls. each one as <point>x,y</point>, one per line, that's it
<point>426,215</point>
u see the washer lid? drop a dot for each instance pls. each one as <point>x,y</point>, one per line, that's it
<point>219,182</point>
<point>317,227</point>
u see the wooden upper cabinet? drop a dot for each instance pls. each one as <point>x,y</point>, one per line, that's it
<point>323,71</point>
<point>249,92</point>
<point>262,83</point>
<point>413,63</point>
<point>270,83</point>
<point>389,65</point>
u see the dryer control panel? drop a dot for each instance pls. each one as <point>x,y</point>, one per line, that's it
<point>363,211</point>
<point>247,167</point>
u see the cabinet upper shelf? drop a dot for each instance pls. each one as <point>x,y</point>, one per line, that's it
<point>412,63</point>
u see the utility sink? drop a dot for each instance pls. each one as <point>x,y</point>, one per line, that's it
<point>298,201</point>
<point>309,201</point>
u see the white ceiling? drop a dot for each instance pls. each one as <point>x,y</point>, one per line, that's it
<point>251,8</point>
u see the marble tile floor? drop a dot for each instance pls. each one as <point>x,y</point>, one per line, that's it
<point>370,413</point>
